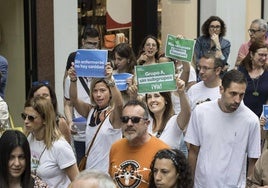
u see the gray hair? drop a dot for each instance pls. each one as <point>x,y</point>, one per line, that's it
<point>103,179</point>
<point>262,24</point>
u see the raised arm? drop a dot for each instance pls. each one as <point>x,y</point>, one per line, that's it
<point>81,107</point>
<point>116,98</point>
<point>184,116</point>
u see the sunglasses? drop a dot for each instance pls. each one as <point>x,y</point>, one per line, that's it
<point>134,119</point>
<point>43,82</point>
<point>30,117</point>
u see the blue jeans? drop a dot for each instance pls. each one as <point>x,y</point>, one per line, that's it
<point>79,150</point>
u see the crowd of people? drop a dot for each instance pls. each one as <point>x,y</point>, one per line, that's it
<point>207,133</point>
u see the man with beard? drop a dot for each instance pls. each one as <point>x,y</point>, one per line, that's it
<point>131,156</point>
<point>222,134</point>
<point>207,89</point>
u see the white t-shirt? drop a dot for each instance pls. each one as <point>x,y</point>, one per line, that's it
<point>199,93</point>
<point>171,134</point>
<point>52,162</point>
<point>4,115</point>
<point>175,97</point>
<point>98,157</point>
<point>192,75</point>
<point>225,140</point>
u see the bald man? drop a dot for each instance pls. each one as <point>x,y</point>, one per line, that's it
<point>92,179</point>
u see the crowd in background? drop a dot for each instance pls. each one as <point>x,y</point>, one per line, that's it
<point>209,132</point>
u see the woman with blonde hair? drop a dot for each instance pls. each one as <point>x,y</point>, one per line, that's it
<point>52,157</point>
<point>103,126</point>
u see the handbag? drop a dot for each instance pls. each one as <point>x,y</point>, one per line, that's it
<point>109,41</point>
<point>83,162</point>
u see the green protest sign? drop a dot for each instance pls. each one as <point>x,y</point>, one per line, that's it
<point>181,49</point>
<point>158,77</point>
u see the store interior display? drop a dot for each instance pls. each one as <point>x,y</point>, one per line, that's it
<point>93,13</point>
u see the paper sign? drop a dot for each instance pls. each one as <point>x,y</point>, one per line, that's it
<point>121,80</point>
<point>265,114</point>
<point>159,77</point>
<point>90,63</point>
<point>181,49</point>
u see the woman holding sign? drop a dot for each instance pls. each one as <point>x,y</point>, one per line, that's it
<point>165,124</point>
<point>103,117</point>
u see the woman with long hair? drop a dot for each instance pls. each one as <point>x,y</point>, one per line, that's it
<point>165,124</point>
<point>253,66</point>
<point>124,58</point>
<point>52,157</point>
<point>15,162</point>
<point>44,89</point>
<point>103,117</point>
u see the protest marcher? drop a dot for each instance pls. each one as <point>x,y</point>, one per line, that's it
<point>103,117</point>
<point>131,156</point>
<point>90,40</point>
<point>222,134</point>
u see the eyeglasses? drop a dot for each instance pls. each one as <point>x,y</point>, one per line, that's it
<point>30,117</point>
<point>204,68</point>
<point>150,45</point>
<point>89,43</point>
<point>134,119</point>
<point>217,27</point>
<point>253,31</point>
<point>262,54</point>
<point>43,82</point>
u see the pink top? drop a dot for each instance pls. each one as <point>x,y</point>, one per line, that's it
<point>243,50</point>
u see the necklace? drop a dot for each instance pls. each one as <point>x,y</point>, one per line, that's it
<point>38,161</point>
<point>255,87</point>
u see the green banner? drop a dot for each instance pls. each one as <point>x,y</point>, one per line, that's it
<point>159,77</point>
<point>181,49</point>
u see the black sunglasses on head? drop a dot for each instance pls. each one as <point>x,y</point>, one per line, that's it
<point>43,82</point>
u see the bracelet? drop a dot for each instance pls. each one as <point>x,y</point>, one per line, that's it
<point>74,80</point>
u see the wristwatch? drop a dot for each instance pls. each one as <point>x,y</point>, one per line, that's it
<point>110,83</point>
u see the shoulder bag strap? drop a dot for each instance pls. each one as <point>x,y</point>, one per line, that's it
<point>91,144</point>
<point>84,85</point>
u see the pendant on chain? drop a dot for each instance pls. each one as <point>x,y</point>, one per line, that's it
<point>255,93</point>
